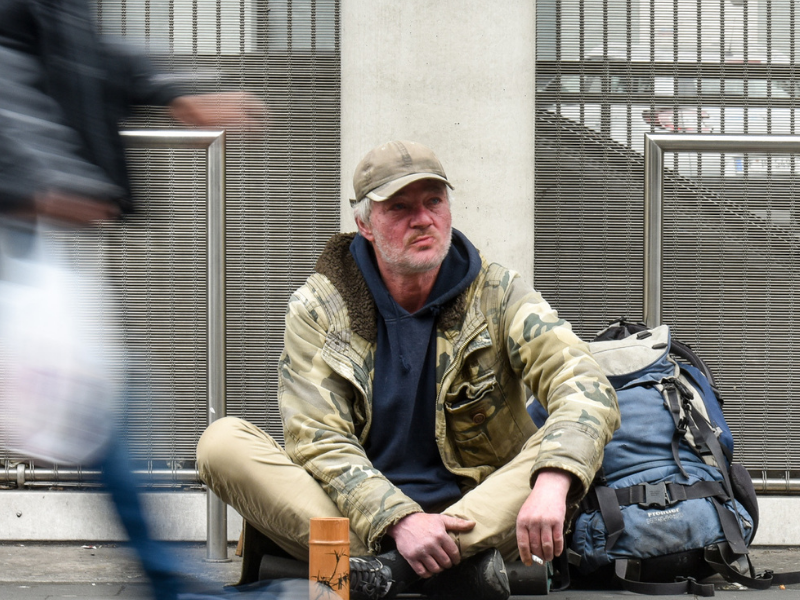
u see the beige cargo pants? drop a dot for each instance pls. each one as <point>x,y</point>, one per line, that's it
<point>245,467</point>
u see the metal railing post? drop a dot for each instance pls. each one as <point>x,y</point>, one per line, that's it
<point>217,516</point>
<point>214,144</point>
<point>653,212</point>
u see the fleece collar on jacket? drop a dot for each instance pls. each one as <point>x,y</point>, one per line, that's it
<point>337,264</point>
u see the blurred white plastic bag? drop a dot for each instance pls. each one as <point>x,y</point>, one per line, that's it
<point>60,349</point>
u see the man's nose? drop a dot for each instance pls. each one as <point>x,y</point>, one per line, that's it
<point>421,217</point>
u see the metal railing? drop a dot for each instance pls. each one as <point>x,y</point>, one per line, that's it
<point>655,145</point>
<point>213,142</point>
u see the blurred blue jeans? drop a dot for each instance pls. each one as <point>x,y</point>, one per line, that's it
<point>18,240</point>
<point>163,570</point>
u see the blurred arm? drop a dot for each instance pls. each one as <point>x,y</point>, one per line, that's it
<point>147,86</point>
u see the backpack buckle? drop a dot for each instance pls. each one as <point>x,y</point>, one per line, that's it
<point>656,495</point>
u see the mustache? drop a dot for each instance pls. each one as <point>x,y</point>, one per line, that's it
<point>428,232</point>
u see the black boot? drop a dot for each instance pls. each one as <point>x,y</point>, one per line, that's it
<point>480,577</point>
<point>370,579</point>
<point>382,576</point>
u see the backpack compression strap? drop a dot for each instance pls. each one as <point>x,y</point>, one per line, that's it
<point>719,557</point>
<point>627,572</point>
<point>661,495</point>
<point>728,563</point>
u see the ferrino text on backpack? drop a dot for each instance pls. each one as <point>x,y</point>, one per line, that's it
<point>669,507</point>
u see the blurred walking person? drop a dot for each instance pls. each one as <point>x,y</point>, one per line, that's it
<point>63,92</point>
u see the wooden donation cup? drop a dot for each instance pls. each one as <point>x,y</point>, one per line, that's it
<point>329,555</point>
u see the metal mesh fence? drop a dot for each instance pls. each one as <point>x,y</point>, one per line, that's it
<point>282,204</point>
<point>607,73</point>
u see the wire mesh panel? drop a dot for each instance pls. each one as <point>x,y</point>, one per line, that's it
<point>282,183</point>
<point>750,263</point>
<point>607,73</point>
<point>282,204</point>
<point>731,282</point>
<point>589,224</point>
<point>159,263</point>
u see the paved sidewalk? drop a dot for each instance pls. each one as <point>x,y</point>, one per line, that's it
<point>40,571</point>
<point>87,563</point>
<point>109,571</point>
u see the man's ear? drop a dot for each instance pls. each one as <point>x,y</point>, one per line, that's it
<point>365,230</point>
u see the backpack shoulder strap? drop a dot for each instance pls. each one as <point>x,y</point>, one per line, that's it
<point>677,398</point>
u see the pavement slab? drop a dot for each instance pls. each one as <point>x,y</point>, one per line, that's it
<point>52,571</point>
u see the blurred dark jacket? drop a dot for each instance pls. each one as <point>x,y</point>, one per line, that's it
<point>63,92</point>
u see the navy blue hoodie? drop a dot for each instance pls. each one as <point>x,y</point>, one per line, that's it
<point>402,442</point>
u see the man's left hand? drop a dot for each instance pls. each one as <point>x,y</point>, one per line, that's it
<point>72,209</point>
<point>239,110</point>
<point>540,522</point>
<point>423,540</point>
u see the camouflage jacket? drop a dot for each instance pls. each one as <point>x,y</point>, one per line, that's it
<point>495,341</point>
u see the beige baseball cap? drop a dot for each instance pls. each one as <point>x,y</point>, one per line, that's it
<point>390,167</point>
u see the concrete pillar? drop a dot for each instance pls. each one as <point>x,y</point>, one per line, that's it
<point>457,76</point>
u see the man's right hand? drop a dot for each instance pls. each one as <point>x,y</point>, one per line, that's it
<point>422,539</point>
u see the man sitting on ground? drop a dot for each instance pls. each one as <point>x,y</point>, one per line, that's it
<point>403,386</point>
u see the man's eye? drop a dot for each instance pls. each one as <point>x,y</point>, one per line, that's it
<point>435,201</point>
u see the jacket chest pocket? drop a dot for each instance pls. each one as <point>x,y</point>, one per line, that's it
<point>480,422</point>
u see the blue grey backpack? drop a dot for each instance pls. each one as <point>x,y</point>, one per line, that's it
<point>669,507</point>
